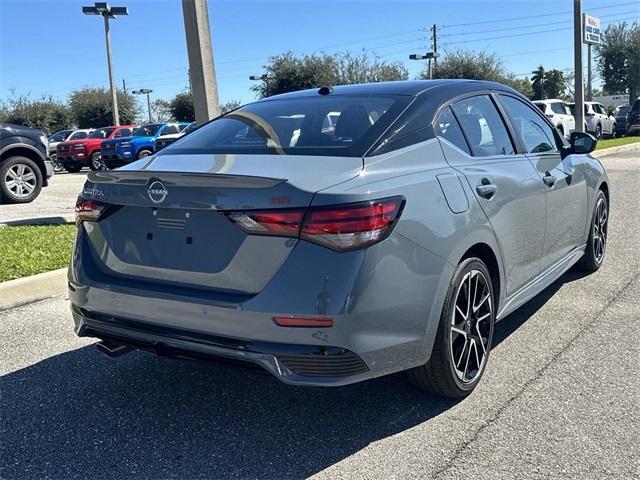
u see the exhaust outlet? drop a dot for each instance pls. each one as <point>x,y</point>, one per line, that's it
<point>112,349</point>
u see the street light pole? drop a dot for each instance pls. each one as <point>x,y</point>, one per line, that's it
<point>431,56</point>
<point>107,12</point>
<point>145,91</point>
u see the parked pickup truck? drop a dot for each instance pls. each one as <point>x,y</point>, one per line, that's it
<point>166,140</point>
<point>120,151</point>
<point>75,154</point>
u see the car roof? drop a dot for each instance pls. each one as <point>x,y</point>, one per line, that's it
<point>401,87</point>
<point>549,100</point>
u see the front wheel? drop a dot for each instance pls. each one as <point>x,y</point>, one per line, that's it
<point>598,235</point>
<point>20,180</point>
<point>462,344</point>
<point>143,153</point>
<point>598,131</point>
<point>96,162</point>
<point>57,166</point>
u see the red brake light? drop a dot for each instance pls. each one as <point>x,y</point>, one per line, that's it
<point>89,210</point>
<point>323,322</point>
<point>339,227</point>
<point>270,222</point>
<point>349,227</point>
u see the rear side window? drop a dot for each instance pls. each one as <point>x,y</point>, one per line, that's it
<point>78,136</point>
<point>535,134</point>
<point>558,108</point>
<point>170,129</point>
<point>448,128</point>
<point>340,125</point>
<point>483,127</point>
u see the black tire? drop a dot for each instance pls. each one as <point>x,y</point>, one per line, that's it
<point>144,153</point>
<point>95,162</point>
<point>20,180</point>
<point>57,166</point>
<point>440,375</point>
<point>598,131</point>
<point>594,253</point>
<point>73,168</point>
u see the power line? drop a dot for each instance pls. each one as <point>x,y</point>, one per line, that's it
<point>526,26</point>
<point>533,16</point>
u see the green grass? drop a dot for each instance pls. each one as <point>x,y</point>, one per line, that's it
<point>29,250</point>
<point>617,142</point>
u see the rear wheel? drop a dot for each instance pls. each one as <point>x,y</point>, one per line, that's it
<point>20,180</point>
<point>143,153</point>
<point>57,166</point>
<point>598,235</point>
<point>96,162</point>
<point>598,131</point>
<point>461,348</point>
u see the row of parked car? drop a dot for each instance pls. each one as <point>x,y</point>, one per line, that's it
<point>597,121</point>
<point>111,147</point>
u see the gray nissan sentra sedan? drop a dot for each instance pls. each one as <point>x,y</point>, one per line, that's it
<point>333,235</point>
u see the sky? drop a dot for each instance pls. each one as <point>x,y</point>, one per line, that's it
<point>50,47</point>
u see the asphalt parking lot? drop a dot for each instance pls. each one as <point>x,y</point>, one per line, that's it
<point>559,399</point>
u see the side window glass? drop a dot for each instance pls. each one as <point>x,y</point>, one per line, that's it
<point>449,129</point>
<point>169,129</point>
<point>534,133</point>
<point>558,108</point>
<point>483,127</point>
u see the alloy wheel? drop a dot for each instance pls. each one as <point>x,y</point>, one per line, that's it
<point>471,326</point>
<point>600,230</point>
<point>21,180</point>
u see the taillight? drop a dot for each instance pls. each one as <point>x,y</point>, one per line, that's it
<point>89,210</point>
<point>339,227</point>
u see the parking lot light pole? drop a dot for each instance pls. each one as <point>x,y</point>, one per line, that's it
<point>107,12</point>
<point>428,56</point>
<point>577,58</point>
<point>145,91</point>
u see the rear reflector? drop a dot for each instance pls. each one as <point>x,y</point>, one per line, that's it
<point>339,227</point>
<point>304,321</point>
<point>89,210</point>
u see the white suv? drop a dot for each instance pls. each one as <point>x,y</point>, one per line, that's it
<point>599,122</point>
<point>559,113</point>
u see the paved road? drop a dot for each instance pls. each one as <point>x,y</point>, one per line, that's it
<point>559,399</point>
<point>59,198</point>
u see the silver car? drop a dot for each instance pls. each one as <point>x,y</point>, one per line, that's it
<point>334,235</point>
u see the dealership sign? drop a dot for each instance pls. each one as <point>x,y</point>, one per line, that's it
<point>591,29</point>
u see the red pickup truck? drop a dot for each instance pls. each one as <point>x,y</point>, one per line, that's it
<point>75,154</point>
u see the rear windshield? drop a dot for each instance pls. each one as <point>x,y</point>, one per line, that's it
<point>145,131</point>
<point>59,136</point>
<point>101,133</point>
<point>339,125</point>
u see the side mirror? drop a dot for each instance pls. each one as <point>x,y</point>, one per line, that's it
<point>582,142</point>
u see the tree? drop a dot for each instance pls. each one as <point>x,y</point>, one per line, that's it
<point>45,113</point>
<point>618,59</point>
<point>553,83</point>
<point>161,110</point>
<point>477,65</point>
<point>287,72</point>
<point>230,105</point>
<point>92,107</point>
<point>181,107</point>
<point>537,83</point>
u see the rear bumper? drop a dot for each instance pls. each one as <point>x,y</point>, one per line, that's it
<point>385,302</point>
<point>295,364</point>
<point>633,129</point>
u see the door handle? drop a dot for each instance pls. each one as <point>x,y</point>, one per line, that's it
<point>486,189</point>
<point>549,180</point>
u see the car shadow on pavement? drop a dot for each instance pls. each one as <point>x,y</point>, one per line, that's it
<point>80,414</point>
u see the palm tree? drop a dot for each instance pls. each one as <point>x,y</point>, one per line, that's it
<point>537,83</point>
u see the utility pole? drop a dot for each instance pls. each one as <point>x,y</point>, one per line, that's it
<point>107,12</point>
<point>204,89</point>
<point>124,85</point>
<point>577,60</point>
<point>589,76</point>
<point>434,32</point>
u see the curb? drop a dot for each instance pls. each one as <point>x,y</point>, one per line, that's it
<point>613,150</point>
<point>21,291</point>
<point>60,220</point>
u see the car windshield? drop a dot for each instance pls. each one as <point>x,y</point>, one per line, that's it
<point>101,132</point>
<point>146,131</point>
<point>298,126</point>
<point>190,128</point>
<point>59,136</point>
<point>636,106</point>
<point>623,110</point>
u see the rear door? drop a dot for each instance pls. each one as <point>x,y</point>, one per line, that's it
<point>566,189</point>
<point>506,186</point>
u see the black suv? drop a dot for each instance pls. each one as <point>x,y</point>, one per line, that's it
<point>24,166</point>
<point>633,119</point>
